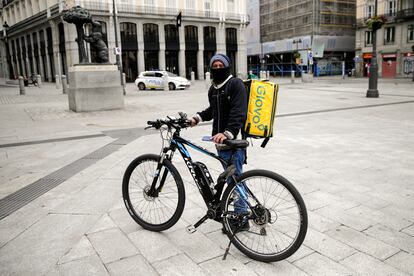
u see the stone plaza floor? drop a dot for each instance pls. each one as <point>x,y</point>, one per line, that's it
<point>351,158</point>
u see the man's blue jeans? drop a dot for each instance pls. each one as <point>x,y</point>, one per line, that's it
<point>240,205</point>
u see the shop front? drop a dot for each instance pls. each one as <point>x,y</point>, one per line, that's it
<point>408,64</point>
<point>389,65</point>
<point>366,63</point>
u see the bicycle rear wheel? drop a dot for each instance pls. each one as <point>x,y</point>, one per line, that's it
<point>155,213</point>
<point>276,221</point>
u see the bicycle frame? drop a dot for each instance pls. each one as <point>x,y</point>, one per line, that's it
<point>179,143</point>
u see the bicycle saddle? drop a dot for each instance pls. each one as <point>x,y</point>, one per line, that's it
<point>236,144</point>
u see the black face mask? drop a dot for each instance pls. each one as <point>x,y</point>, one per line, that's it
<point>219,74</point>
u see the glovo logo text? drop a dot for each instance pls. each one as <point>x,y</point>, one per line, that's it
<point>258,106</point>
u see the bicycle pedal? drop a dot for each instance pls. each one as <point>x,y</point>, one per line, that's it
<point>191,229</point>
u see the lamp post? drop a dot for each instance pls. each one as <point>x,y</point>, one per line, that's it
<point>118,58</point>
<point>372,91</point>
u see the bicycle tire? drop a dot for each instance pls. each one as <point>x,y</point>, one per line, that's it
<point>243,239</point>
<point>173,182</point>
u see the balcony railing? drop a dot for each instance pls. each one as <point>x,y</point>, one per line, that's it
<point>405,14</point>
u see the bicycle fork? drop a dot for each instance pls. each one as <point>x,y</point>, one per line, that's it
<point>153,191</point>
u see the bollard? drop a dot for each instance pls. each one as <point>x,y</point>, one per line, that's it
<point>64,85</point>
<point>208,81</point>
<point>292,76</point>
<point>21,86</point>
<point>192,77</point>
<point>39,81</point>
<point>165,81</point>
<point>57,82</point>
<point>124,82</point>
<point>267,75</point>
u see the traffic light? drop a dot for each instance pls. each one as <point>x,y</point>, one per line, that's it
<point>178,20</point>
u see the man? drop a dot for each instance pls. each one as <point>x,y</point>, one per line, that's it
<point>228,108</point>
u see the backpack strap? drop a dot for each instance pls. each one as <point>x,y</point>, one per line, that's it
<point>264,143</point>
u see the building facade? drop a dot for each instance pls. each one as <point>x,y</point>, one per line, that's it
<point>395,40</point>
<point>323,30</point>
<point>37,41</point>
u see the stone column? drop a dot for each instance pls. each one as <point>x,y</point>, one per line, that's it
<point>5,64</point>
<point>200,53</point>
<point>41,73</point>
<point>56,53</point>
<point>72,55</point>
<point>48,69</point>
<point>27,61</point>
<point>111,39</point>
<point>181,53</point>
<point>161,53</point>
<point>17,67</point>
<point>241,55</point>
<point>221,38</point>
<point>140,40</point>
<point>22,59</point>
<point>33,56</point>
<point>11,52</point>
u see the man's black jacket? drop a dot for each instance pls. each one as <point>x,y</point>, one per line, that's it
<point>228,107</point>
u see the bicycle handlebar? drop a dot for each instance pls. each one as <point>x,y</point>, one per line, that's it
<point>177,123</point>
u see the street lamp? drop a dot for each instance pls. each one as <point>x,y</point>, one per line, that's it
<point>372,91</point>
<point>118,58</point>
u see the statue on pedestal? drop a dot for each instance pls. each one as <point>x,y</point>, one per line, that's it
<point>80,16</point>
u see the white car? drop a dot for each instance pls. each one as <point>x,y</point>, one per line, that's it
<point>155,80</point>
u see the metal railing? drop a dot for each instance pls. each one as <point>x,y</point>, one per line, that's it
<point>406,13</point>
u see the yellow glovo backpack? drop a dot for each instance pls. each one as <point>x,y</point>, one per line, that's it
<point>261,109</point>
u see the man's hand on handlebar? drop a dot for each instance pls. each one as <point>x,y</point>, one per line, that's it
<point>193,122</point>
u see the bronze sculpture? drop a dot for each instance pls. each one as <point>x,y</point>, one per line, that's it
<point>80,16</point>
<point>97,43</point>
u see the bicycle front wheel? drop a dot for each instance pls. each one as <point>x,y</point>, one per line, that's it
<point>264,216</point>
<point>156,212</point>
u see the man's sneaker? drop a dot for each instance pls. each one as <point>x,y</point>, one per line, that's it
<point>234,226</point>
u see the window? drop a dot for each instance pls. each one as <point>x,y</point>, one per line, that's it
<point>369,10</point>
<point>410,33</point>
<point>207,7</point>
<point>190,4</point>
<point>191,34</point>
<point>171,33</point>
<point>391,7</point>
<point>231,36</point>
<point>230,5</point>
<point>171,3</point>
<point>389,36</point>
<point>368,38</point>
<point>150,32</point>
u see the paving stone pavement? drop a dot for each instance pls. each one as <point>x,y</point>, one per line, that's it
<point>352,159</point>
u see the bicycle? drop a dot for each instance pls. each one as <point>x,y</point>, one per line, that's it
<point>154,196</point>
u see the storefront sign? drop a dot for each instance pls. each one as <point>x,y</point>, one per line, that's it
<point>367,55</point>
<point>389,56</point>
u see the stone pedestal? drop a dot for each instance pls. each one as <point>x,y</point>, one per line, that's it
<point>95,87</point>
